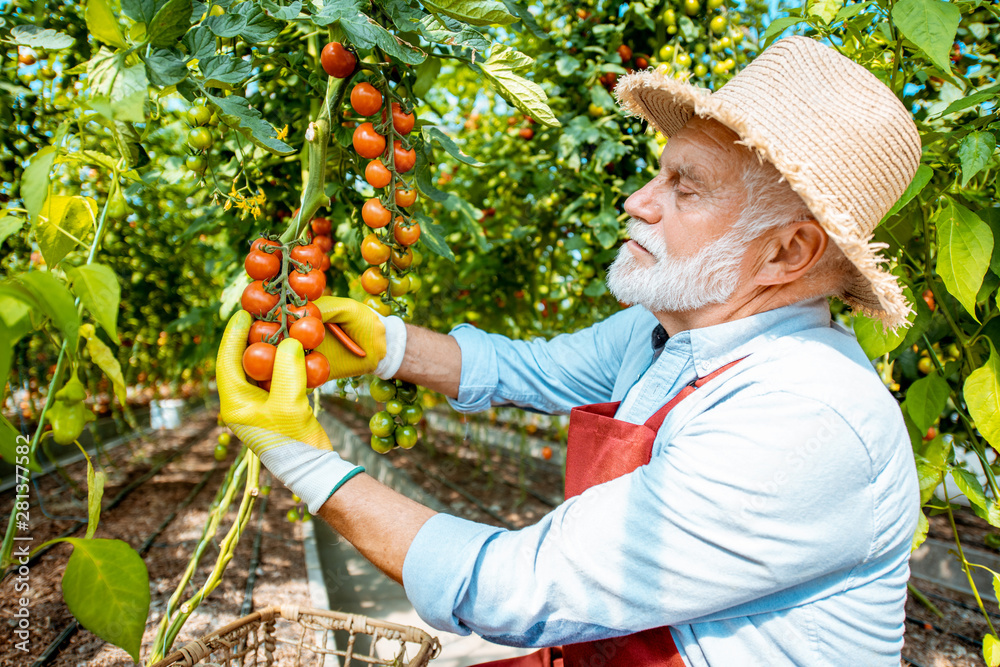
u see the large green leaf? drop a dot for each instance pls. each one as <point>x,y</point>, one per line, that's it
<point>62,223</point>
<point>260,27</point>
<point>433,237</point>
<point>35,181</point>
<point>873,337</point>
<point>526,95</point>
<point>99,291</point>
<point>920,180</point>
<point>824,9</point>
<point>473,12</point>
<point>122,85</point>
<point>165,67</point>
<point>778,26</point>
<point>9,441</point>
<point>974,152</point>
<point>169,23</point>
<point>965,245</point>
<point>925,399</point>
<point>432,133</point>
<point>10,224</point>
<point>106,586</point>
<point>982,396</point>
<point>968,484</point>
<point>972,100</point>
<point>239,115</point>
<point>41,290</point>
<point>225,71</point>
<point>102,23</point>
<point>40,38</point>
<point>931,25</point>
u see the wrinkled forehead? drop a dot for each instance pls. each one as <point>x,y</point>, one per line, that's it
<point>706,150</point>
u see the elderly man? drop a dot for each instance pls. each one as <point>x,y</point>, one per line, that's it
<point>740,484</point>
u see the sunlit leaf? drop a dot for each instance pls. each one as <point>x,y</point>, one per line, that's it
<point>920,534</point>
<point>974,152</point>
<point>103,24</point>
<point>102,355</point>
<point>926,399</point>
<point>931,25</point>
<point>982,395</point>
<point>965,245</point>
<point>63,222</point>
<point>99,291</point>
<point>526,95</point>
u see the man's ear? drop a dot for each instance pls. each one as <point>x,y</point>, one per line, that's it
<point>791,251</point>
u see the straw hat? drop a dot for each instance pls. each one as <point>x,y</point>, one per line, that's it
<point>836,133</point>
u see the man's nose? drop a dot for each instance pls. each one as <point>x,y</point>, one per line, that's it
<point>641,205</point>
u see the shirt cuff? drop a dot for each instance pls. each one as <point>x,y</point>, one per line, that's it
<point>395,347</point>
<point>480,371</point>
<point>437,570</point>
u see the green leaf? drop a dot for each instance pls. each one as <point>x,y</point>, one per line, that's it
<point>10,224</point>
<point>232,293</point>
<point>225,71</point>
<point>996,586</point>
<point>260,27</point>
<point>566,65</point>
<point>124,86</point>
<point>687,28</point>
<point>825,9</point>
<point>972,100</point>
<point>365,33</point>
<point>991,648</point>
<point>63,220</point>
<point>528,19</point>
<point>473,12</point>
<point>9,440</point>
<point>169,23</point>
<point>965,245</point>
<point>596,288</point>
<point>974,152</point>
<point>850,11</point>
<point>931,25</point>
<point>15,322</point>
<point>237,113</point>
<point>102,355</point>
<point>526,95</point>
<point>99,291</point>
<point>920,534</point>
<point>432,133</point>
<point>41,290</point>
<point>427,74</point>
<point>424,174</point>
<point>165,67</point>
<point>35,181</point>
<point>982,396</point>
<point>39,38</point>
<point>102,23</point>
<point>432,237</point>
<point>106,586</point>
<point>873,337</point>
<point>969,485</point>
<point>926,399</point>
<point>468,217</point>
<point>95,492</point>
<point>200,42</point>
<point>288,13</point>
<point>226,26</point>
<point>920,180</point>
<point>778,26</point>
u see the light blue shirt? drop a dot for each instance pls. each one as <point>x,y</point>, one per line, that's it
<point>771,527</point>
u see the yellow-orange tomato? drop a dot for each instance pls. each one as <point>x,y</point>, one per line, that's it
<point>405,198</point>
<point>377,174</point>
<point>402,260</point>
<point>406,235</point>
<point>374,214</point>
<point>373,282</point>
<point>374,251</point>
<point>378,306</point>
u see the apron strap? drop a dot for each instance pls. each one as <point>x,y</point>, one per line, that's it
<point>656,421</point>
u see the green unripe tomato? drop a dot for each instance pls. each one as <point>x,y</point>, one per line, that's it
<point>382,390</point>
<point>699,48</point>
<point>725,42</point>
<point>381,444</point>
<point>292,515</point>
<point>700,69</point>
<point>116,206</point>
<point>666,52</point>
<point>199,115</point>
<point>224,439</point>
<point>669,16</point>
<point>217,11</point>
<point>220,452</point>
<point>684,60</point>
<point>406,436</point>
<point>407,392</point>
<point>718,24</point>
<point>671,30</point>
<point>399,285</point>
<point>199,139</point>
<point>195,163</point>
<point>394,407</point>
<point>382,424</point>
<point>715,4</point>
<point>692,7</point>
<point>415,283</point>
<point>265,490</point>
<point>412,414</point>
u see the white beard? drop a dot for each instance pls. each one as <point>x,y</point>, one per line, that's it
<point>675,284</point>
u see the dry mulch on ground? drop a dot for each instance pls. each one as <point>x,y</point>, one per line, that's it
<point>280,577</point>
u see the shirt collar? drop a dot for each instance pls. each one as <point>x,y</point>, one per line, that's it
<point>715,346</point>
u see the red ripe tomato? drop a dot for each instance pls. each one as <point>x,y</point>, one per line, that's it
<point>261,242</point>
<point>308,310</point>
<point>265,385</point>
<point>405,159</point>
<point>260,330</point>
<point>373,282</point>
<point>625,53</point>
<point>405,198</point>
<point>374,214</point>
<point>261,266</point>
<point>323,242</point>
<point>377,174</point>
<point>326,263</point>
<point>321,226</point>
<point>406,235</point>
<point>310,254</point>
<point>373,250</point>
<point>317,370</point>
<point>546,453</point>
<point>258,361</point>
<point>526,133</point>
<point>402,121</point>
<point>309,331</point>
<point>402,260</point>
<point>366,99</point>
<point>641,62</point>
<point>338,61</point>
<point>307,285</point>
<point>256,300</point>
<point>369,143</point>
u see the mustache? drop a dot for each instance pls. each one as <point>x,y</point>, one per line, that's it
<point>643,234</point>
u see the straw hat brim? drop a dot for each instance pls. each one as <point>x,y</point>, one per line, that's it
<point>668,104</point>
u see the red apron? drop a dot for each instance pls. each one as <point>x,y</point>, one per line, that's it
<point>601,448</point>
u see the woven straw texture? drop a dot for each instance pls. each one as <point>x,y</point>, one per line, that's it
<point>836,133</point>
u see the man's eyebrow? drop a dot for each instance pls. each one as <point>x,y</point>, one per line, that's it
<point>687,172</point>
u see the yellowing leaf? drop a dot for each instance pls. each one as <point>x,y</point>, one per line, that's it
<point>991,650</point>
<point>921,533</point>
<point>982,395</point>
<point>103,24</point>
<point>61,223</point>
<point>965,245</point>
<point>825,9</point>
<point>103,357</point>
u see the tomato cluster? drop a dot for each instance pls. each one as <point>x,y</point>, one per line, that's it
<point>200,137</point>
<point>396,424</point>
<point>286,280</point>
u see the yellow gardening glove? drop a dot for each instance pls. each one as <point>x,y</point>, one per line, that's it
<point>279,426</point>
<point>372,332</point>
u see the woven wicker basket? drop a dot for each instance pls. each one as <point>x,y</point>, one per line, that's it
<point>251,641</point>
